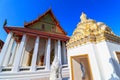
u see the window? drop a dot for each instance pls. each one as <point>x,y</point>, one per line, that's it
<point>53,29</point>
<point>43,27</point>
<point>81,68</point>
<point>118,56</point>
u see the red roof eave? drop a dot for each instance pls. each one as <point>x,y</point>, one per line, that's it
<point>28,31</point>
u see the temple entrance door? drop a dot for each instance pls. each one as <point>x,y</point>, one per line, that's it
<point>81,68</point>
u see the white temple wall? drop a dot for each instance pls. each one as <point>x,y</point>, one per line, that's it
<point>102,58</point>
<point>113,48</point>
<point>105,59</point>
<point>82,50</point>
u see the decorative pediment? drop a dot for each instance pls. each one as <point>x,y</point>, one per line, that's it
<point>46,22</point>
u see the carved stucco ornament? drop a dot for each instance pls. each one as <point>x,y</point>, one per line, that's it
<point>89,30</point>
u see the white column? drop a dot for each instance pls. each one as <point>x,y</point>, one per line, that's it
<point>47,66</point>
<point>13,54</point>
<point>45,53</point>
<point>64,53</point>
<point>34,57</point>
<point>19,54</point>
<point>8,53</point>
<point>56,48</point>
<point>22,56</point>
<point>18,45</point>
<point>4,49</point>
<point>59,52</point>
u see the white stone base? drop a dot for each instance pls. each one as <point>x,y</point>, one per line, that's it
<point>37,75</point>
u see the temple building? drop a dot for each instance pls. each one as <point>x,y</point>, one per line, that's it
<point>91,53</point>
<point>29,51</point>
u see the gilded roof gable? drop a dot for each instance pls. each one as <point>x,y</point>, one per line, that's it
<point>89,30</point>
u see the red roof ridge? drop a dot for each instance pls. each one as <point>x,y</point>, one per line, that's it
<point>28,23</point>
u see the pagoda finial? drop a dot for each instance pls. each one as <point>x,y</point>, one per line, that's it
<point>83,17</point>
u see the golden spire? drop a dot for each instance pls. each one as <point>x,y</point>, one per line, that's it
<point>89,30</point>
<point>83,17</point>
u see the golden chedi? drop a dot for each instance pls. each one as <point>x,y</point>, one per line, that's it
<point>89,30</point>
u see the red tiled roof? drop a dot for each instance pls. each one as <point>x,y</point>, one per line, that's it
<point>40,17</point>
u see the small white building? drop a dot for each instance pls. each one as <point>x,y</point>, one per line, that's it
<point>93,52</point>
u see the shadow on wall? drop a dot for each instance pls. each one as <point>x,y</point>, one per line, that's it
<point>116,72</point>
<point>113,78</point>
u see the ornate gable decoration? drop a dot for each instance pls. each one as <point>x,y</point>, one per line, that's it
<point>46,22</point>
<point>89,30</point>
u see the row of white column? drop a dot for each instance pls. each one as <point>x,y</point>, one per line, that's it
<point>4,50</point>
<point>18,51</point>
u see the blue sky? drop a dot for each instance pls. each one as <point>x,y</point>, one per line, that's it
<point>67,12</point>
